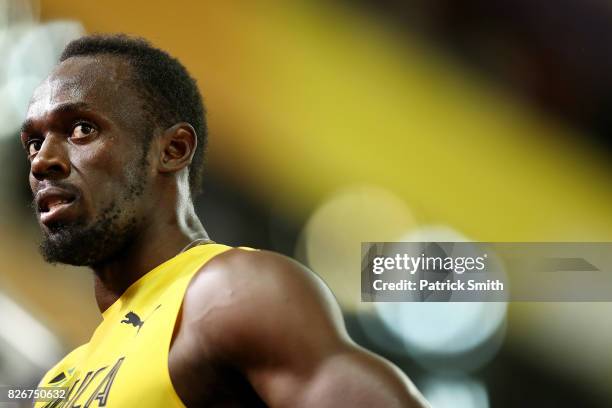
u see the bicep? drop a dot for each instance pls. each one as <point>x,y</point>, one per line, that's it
<point>274,321</point>
<point>351,377</point>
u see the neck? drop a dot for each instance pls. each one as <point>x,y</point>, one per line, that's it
<point>157,243</point>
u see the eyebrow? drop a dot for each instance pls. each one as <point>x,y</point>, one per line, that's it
<point>67,107</point>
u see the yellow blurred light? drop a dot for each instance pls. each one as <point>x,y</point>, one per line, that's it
<point>332,237</point>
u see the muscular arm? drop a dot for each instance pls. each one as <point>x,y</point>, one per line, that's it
<point>274,321</point>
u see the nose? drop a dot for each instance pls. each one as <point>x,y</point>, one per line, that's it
<point>51,161</point>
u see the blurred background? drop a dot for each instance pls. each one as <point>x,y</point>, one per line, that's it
<point>333,123</point>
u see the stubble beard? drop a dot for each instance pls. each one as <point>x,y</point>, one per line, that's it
<point>82,243</point>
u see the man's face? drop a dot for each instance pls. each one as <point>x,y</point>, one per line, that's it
<point>89,175</point>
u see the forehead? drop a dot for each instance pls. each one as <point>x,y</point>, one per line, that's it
<point>98,82</point>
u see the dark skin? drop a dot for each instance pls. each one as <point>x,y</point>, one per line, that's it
<point>255,326</point>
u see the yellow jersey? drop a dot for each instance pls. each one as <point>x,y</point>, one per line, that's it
<point>125,363</point>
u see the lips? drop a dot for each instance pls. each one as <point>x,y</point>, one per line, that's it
<point>54,204</point>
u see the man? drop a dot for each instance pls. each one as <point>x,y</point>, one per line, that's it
<point>115,137</point>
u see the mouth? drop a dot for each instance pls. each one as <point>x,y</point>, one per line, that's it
<point>54,205</point>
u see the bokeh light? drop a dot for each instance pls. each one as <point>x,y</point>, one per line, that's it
<point>464,335</point>
<point>454,392</point>
<point>331,240</point>
<point>29,51</point>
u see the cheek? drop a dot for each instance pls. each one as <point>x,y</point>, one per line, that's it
<point>106,170</point>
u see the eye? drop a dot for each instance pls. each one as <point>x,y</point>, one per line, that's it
<point>33,146</point>
<point>82,130</point>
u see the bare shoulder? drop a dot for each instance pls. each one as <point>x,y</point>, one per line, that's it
<point>262,299</point>
<point>278,324</point>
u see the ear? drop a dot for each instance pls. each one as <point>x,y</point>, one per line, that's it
<point>177,147</point>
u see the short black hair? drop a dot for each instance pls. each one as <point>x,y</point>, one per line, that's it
<point>170,94</point>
